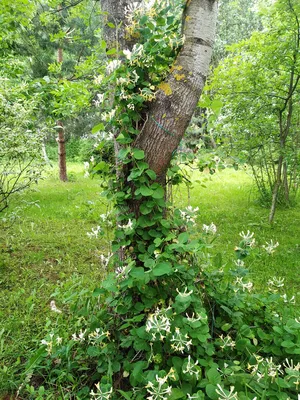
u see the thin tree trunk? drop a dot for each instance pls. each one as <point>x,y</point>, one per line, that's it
<point>62,164</point>
<point>62,160</point>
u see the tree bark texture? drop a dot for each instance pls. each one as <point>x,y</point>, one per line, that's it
<point>62,163</point>
<point>62,160</point>
<point>114,12</point>
<point>170,113</point>
<point>172,110</point>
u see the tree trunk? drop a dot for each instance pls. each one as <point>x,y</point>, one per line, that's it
<point>171,112</point>
<point>62,161</point>
<point>115,13</point>
<point>62,164</point>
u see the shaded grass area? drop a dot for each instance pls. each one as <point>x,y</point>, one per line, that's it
<point>48,246</point>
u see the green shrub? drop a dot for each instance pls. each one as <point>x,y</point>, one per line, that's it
<point>176,329</point>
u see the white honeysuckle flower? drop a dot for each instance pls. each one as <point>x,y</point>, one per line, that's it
<point>276,282</point>
<point>159,390</point>
<point>209,229</point>
<point>246,236</point>
<point>95,232</point>
<point>105,260</point>
<point>135,77</point>
<point>239,263</point>
<point>58,340</point>
<point>98,79</point>
<point>112,66</point>
<point>121,81</point>
<point>86,165</point>
<point>130,106</point>
<point>244,285</point>
<point>227,342</point>
<point>190,368</point>
<point>80,337</point>
<point>292,300</point>
<point>273,370</point>
<point>270,247</point>
<point>129,225</point>
<point>158,324</point>
<point>180,342</point>
<point>185,293</point>
<point>224,396</point>
<point>54,308</point>
<point>127,53</point>
<point>195,318</point>
<point>101,395</point>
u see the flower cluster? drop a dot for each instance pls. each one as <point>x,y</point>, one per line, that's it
<point>275,283</point>
<point>227,342</point>
<point>188,215</point>
<point>191,368</point>
<point>243,285</point>
<point>270,247</point>
<point>248,239</point>
<point>226,396</point>
<point>209,229</point>
<point>101,393</point>
<point>95,232</point>
<point>51,342</point>
<point>180,342</point>
<point>158,324</point>
<point>159,390</point>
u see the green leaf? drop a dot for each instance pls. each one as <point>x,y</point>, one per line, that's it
<point>158,193</point>
<point>123,153</point>
<point>211,391</point>
<point>103,44</point>
<point>288,344</point>
<point>111,51</point>
<point>213,376</point>
<point>93,351</point>
<point>137,272</point>
<point>97,128</point>
<point>183,237</point>
<point>145,191</point>
<point>151,174</point>
<point>126,395</point>
<point>176,394</point>
<point>162,268</point>
<point>138,154</point>
<point>111,25</point>
<point>160,21</point>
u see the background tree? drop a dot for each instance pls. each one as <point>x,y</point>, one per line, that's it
<point>259,87</point>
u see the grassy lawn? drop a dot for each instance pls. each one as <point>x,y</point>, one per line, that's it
<point>48,247</point>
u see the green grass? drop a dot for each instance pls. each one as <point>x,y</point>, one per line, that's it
<point>228,200</point>
<point>48,246</point>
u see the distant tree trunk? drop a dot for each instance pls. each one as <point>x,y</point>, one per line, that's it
<point>114,13</point>
<point>62,165</point>
<point>62,160</point>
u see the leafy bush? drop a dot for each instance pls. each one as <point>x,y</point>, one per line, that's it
<point>20,143</point>
<point>177,328</point>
